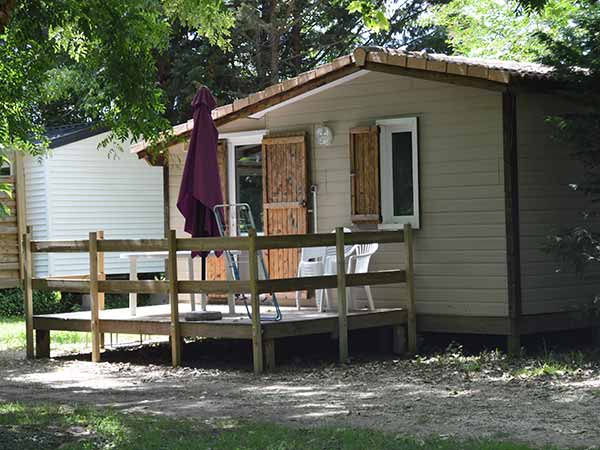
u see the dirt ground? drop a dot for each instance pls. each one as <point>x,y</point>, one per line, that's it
<point>439,396</point>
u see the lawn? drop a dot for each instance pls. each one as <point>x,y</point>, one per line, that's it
<point>52,426</point>
<point>12,335</point>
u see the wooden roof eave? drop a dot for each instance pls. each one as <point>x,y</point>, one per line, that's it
<point>257,106</point>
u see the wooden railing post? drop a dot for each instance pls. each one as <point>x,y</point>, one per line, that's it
<point>174,300</point>
<point>341,295</point>
<point>101,277</point>
<point>410,287</point>
<point>28,291</point>
<point>257,347</point>
<point>94,299</point>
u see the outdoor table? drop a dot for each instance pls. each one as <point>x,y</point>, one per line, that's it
<point>133,275</point>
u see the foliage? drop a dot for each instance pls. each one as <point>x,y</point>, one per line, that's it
<point>502,29</point>
<point>576,55</point>
<point>271,41</point>
<point>29,427</point>
<point>97,57</point>
<point>44,302</point>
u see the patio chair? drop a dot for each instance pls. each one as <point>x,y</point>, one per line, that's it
<point>330,266</point>
<point>359,263</point>
<point>311,265</point>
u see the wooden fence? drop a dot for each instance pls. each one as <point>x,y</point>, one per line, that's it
<point>96,285</point>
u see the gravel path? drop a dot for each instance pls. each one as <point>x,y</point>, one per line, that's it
<point>436,396</point>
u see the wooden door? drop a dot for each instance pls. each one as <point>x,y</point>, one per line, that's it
<point>285,197</point>
<point>215,267</point>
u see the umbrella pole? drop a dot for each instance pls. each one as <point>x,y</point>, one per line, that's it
<point>203,278</point>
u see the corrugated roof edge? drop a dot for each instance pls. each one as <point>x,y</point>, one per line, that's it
<point>491,70</point>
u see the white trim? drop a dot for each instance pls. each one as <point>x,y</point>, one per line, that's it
<point>235,139</point>
<point>388,127</point>
<point>244,137</point>
<point>310,93</point>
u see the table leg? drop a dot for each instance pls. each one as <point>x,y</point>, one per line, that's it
<point>133,276</point>
<point>191,271</point>
<point>230,294</point>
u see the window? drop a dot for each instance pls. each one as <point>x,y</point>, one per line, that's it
<point>248,167</point>
<point>399,168</point>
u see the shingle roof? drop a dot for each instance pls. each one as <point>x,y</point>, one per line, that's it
<point>495,72</point>
<point>65,134</point>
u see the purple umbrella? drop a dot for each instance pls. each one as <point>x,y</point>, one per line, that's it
<point>200,187</point>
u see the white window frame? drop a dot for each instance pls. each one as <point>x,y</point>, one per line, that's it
<point>386,128</point>
<point>253,137</point>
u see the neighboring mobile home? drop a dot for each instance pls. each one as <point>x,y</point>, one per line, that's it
<point>79,187</point>
<point>458,147</point>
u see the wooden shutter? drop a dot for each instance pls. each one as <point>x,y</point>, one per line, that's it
<point>215,267</point>
<point>364,174</point>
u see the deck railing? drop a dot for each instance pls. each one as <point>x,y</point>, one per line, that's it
<point>96,285</point>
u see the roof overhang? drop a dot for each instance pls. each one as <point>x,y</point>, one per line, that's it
<point>479,73</point>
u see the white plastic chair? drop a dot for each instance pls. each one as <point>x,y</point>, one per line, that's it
<point>311,265</point>
<point>330,266</point>
<point>359,263</point>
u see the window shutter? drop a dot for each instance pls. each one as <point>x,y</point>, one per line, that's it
<point>364,174</point>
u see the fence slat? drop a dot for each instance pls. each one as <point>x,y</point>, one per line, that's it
<point>257,347</point>
<point>412,309</point>
<point>93,283</point>
<point>341,295</point>
<point>174,300</point>
<point>28,292</point>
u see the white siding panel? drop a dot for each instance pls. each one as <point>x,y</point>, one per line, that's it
<point>88,190</point>
<point>36,210</point>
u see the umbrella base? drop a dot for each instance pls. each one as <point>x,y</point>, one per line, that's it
<point>202,315</point>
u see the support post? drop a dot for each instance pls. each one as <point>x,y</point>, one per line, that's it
<point>410,287</point>
<point>269,346</point>
<point>174,301</point>
<point>95,325</point>
<point>101,277</point>
<point>342,306</point>
<point>28,291</point>
<point>399,340</point>
<point>257,347</point>
<point>42,343</point>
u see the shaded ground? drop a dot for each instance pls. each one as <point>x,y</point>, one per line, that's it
<point>540,402</point>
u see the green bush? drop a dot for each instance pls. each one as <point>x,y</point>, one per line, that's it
<point>11,302</point>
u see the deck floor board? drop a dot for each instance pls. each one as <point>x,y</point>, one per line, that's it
<point>155,320</point>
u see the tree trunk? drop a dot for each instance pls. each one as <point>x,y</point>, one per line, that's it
<point>6,10</point>
<point>274,37</point>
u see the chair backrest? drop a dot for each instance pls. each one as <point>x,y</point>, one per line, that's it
<point>348,249</point>
<point>363,256</point>
<point>313,253</point>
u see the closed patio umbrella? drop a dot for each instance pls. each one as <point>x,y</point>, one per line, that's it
<point>200,188</point>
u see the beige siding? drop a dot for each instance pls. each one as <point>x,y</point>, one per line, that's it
<point>546,203</point>
<point>461,247</point>
<point>460,250</point>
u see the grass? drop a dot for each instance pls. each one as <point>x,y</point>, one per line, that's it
<point>12,335</point>
<point>53,426</point>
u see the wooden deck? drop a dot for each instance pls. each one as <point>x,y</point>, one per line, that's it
<point>156,320</point>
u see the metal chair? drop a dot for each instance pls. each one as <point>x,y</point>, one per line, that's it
<point>359,263</point>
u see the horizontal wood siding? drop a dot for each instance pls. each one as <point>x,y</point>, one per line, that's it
<point>460,250</point>
<point>86,189</point>
<point>547,203</point>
